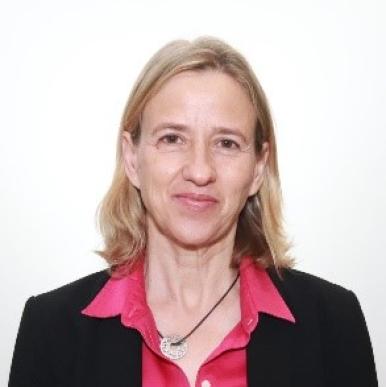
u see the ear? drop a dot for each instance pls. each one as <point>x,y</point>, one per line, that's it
<point>130,158</point>
<point>258,175</point>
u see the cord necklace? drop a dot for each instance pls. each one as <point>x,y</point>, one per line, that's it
<point>174,346</point>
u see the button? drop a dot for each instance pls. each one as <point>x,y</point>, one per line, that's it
<point>205,383</point>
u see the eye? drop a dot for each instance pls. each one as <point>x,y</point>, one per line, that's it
<point>229,144</point>
<point>170,139</point>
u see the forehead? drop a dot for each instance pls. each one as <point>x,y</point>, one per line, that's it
<point>201,98</point>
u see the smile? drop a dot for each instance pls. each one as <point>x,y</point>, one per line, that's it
<point>196,202</point>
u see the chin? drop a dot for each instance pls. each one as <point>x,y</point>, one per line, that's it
<point>193,244</point>
<point>195,239</point>
<point>191,234</point>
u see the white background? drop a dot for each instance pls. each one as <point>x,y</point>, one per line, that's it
<point>66,69</point>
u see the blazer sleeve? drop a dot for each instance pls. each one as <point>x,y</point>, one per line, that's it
<point>349,355</point>
<point>30,364</point>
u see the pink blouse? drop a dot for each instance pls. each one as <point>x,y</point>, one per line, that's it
<point>226,365</point>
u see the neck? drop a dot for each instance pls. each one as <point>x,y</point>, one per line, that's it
<point>190,279</point>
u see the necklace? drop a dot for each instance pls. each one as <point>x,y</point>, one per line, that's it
<point>174,346</point>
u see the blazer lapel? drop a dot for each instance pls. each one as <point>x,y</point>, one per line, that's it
<point>283,354</point>
<point>116,356</point>
<point>268,353</point>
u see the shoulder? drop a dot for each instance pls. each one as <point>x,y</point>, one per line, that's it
<point>331,315</point>
<point>298,281</point>
<point>50,321</point>
<point>321,306</point>
<point>71,297</point>
<point>312,298</point>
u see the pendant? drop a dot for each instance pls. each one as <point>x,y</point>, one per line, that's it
<point>173,352</point>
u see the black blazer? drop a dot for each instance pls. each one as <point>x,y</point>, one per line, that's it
<point>328,346</point>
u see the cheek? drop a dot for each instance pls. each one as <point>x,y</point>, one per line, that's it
<point>154,161</point>
<point>238,176</point>
<point>155,174</point>
<point>236,185</point>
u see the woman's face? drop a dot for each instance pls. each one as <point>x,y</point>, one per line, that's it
<point>195,164</point>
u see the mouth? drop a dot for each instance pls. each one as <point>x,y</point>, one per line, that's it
<point>196,202</point>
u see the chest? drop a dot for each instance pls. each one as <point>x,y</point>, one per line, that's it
<point>279,354</point>
<point>224,366</point>
<point>204,347</point>
<point>217,334</point>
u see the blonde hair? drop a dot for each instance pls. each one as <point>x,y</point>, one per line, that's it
<point>121,213</point>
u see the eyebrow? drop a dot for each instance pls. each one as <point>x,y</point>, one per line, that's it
<point>185,128</point>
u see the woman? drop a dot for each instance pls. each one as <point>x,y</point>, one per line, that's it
<point>200,290</point>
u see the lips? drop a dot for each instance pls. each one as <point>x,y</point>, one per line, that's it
<point>197,197</point>
<point>195,201</point>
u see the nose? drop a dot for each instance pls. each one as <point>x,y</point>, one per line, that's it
<point>199,166</point>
